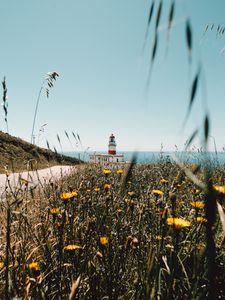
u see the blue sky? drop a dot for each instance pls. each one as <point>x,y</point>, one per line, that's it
<point>96,47</point>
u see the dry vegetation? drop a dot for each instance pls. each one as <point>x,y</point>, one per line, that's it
<point>105,234</point>
<point>19,155</point>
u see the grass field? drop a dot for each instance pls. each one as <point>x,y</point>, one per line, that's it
<point>112,234</point>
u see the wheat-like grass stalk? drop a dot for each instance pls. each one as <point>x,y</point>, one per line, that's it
<point>47,83</point>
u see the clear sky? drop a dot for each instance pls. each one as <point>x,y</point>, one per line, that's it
<point>96,47</point>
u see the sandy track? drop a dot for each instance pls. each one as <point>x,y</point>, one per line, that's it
<point>33,177</point>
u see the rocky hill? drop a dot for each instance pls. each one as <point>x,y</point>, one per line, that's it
<point>19,155</point>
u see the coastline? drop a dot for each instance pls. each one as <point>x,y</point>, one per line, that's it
<point>149,157</point>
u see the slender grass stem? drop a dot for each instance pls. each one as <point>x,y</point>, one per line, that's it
<point>35,114</point>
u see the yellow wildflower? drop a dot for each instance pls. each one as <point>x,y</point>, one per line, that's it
<point>119,210</point>
<point>158,237</point>
<point>198,204</point>
<point>106,171</point>
<point>54,210</point>
<point>97,189</point>
<point>119,172</point>
<point>164,181</point>
<point>71,247</point>
<point>68,195</point>
<point>74,194</point>
<point>157,192</point>
<point>2,265</point>
<point>34,266</point>
<point>178,223</point>
<point>219,188</point>
<point>131,193</point>
<point>201,220</point>
<point>104,240</point>
<point>107,186</point>
<point>195,191</point>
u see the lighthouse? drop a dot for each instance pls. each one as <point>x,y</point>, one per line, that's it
<point>112,145</point>
<point>108,158</point>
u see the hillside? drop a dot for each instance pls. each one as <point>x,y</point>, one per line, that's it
<point>19,155</point>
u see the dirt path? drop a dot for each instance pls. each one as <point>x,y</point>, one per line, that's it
<point>33,177</point>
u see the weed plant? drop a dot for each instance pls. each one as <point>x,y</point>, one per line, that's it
<point>110,236</point>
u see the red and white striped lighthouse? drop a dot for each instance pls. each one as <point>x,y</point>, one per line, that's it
<point>112,145</point>
<point>106,159</point>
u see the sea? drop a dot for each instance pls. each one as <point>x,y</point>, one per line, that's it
<point>149,157</point>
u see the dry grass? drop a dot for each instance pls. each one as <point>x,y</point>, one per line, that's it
<point>110,241</point>
<point>19,155</point>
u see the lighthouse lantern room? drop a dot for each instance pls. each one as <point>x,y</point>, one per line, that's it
<point>108,158</point>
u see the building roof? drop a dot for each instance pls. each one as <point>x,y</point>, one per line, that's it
<point>106,155</point>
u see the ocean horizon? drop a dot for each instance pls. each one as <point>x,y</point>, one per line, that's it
<point>148,157</point>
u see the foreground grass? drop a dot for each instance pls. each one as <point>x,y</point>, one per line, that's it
<point>107,238</point>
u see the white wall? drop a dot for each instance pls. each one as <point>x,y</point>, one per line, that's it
<point>104,159</point>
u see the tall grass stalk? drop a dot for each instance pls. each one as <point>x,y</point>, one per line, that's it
<point>46,85</point>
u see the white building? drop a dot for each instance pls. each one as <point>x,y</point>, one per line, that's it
<point>110,157</point>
